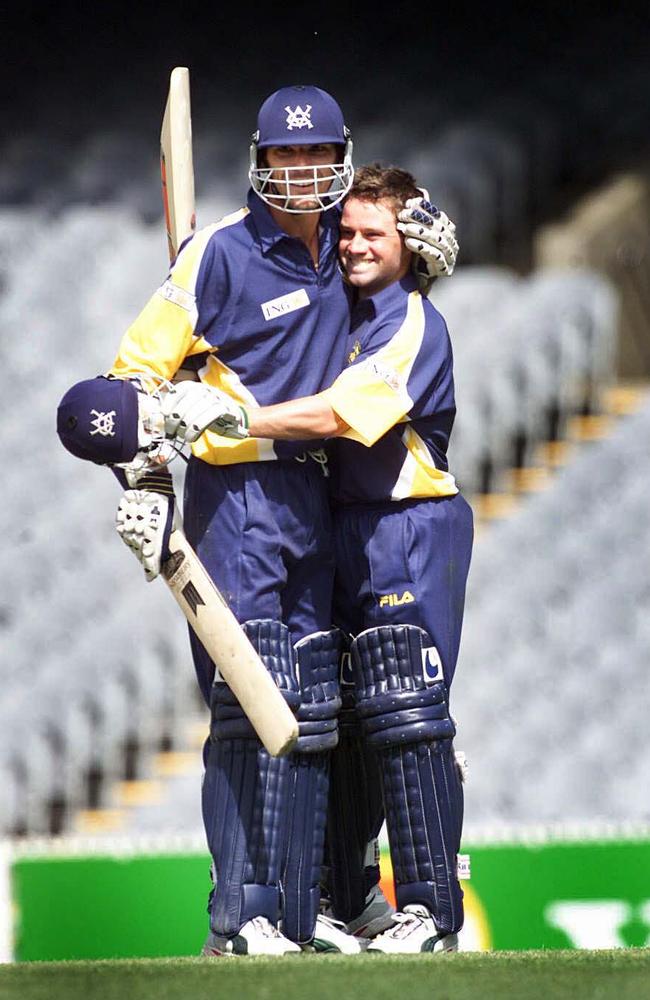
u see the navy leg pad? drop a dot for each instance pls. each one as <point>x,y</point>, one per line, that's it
<point>318,665</point>
<point>403,705</point>
<point>246,795</point>
<point>401,693</point>
<point>318,657</point>
<point>306,841</point>
<point>355,817</point>
<point>424,800</point>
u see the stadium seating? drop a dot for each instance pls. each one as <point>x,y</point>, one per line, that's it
<point>97,664</point>
<point>550,691</point>
<point>529,354</point>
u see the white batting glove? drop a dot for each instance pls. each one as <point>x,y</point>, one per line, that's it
<point>145,519</point>
<point>190,408</point>
<point>431,235</point>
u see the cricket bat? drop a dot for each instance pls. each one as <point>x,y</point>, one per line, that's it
<point>176,165</point>
<point>200,601</point>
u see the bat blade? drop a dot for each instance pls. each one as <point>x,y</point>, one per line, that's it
<point>176,163</point>
<point>226,644</point>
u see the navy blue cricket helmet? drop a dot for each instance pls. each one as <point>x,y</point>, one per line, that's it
<point>301,116</point>
<point>97,420</point>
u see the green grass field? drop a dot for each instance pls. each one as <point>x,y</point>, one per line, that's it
<point>534,975</point>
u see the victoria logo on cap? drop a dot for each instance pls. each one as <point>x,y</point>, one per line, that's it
<point>104,423</point>
<point>298,118</point>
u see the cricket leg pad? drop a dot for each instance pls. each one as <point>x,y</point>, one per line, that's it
<point>355,816</point>
<point>403,702</point>
<point>246,796</point>
<point>350,876</point>
<point>317,657</point>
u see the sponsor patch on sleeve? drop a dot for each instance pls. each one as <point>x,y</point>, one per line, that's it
<point>179,296</point>
<point>385,374</point>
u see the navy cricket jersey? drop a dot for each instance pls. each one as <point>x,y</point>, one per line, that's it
<point>397,395</point>
<point>273,325</point>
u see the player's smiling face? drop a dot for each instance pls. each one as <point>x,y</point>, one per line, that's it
<point>371,248</point>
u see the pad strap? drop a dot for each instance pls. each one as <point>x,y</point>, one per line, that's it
<point>348,716</point>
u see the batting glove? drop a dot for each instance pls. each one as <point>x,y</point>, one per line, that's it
<point>146,518</point>
<point>431,235</point>
<point>190,408</point>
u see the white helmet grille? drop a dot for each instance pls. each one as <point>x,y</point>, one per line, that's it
<point>280,187</point>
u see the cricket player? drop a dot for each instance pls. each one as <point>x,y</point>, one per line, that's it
<point>256,305</point>
<point>403,539</point>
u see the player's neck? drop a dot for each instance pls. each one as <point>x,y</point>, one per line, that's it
<point>367,291</point>
<point>303,227</point>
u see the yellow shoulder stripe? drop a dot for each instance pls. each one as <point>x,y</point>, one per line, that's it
<point>186,267</point>
<point>163,335</point>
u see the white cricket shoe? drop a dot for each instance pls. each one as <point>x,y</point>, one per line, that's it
<point>413,931</point>
<point>257,937</point>
<point>330,936</point>
<point>377,916</point>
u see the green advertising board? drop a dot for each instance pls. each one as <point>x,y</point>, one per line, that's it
<point>126,899</point>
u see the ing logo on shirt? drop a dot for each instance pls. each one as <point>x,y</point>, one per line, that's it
<point>355,352</point>
<point>394,600</point>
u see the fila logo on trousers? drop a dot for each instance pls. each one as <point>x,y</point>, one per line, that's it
<point>394,600</point>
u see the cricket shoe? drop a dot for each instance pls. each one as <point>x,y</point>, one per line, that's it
<point>413,932</point>
<point>330,936</point>
<point>257,937</point>
<point>377,916</point>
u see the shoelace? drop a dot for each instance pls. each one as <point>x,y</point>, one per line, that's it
<point>265,927</point>
<point>405,924</point>
<point>336,925</point>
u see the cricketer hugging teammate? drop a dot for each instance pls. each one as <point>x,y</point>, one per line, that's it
<point>319,501</point>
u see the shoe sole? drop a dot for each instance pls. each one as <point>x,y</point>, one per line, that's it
<point>428,948</point>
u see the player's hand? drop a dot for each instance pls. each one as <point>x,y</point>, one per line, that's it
<point>431,235</point>
<point>190,408</point>
<point>144,522</point>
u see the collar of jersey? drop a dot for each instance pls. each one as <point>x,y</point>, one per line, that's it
<point>268,231</point>
<point>381,301</point>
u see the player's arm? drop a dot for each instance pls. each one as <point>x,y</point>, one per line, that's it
<point>365,401</point>
<point>373,394</point>
<point>296,420</point>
